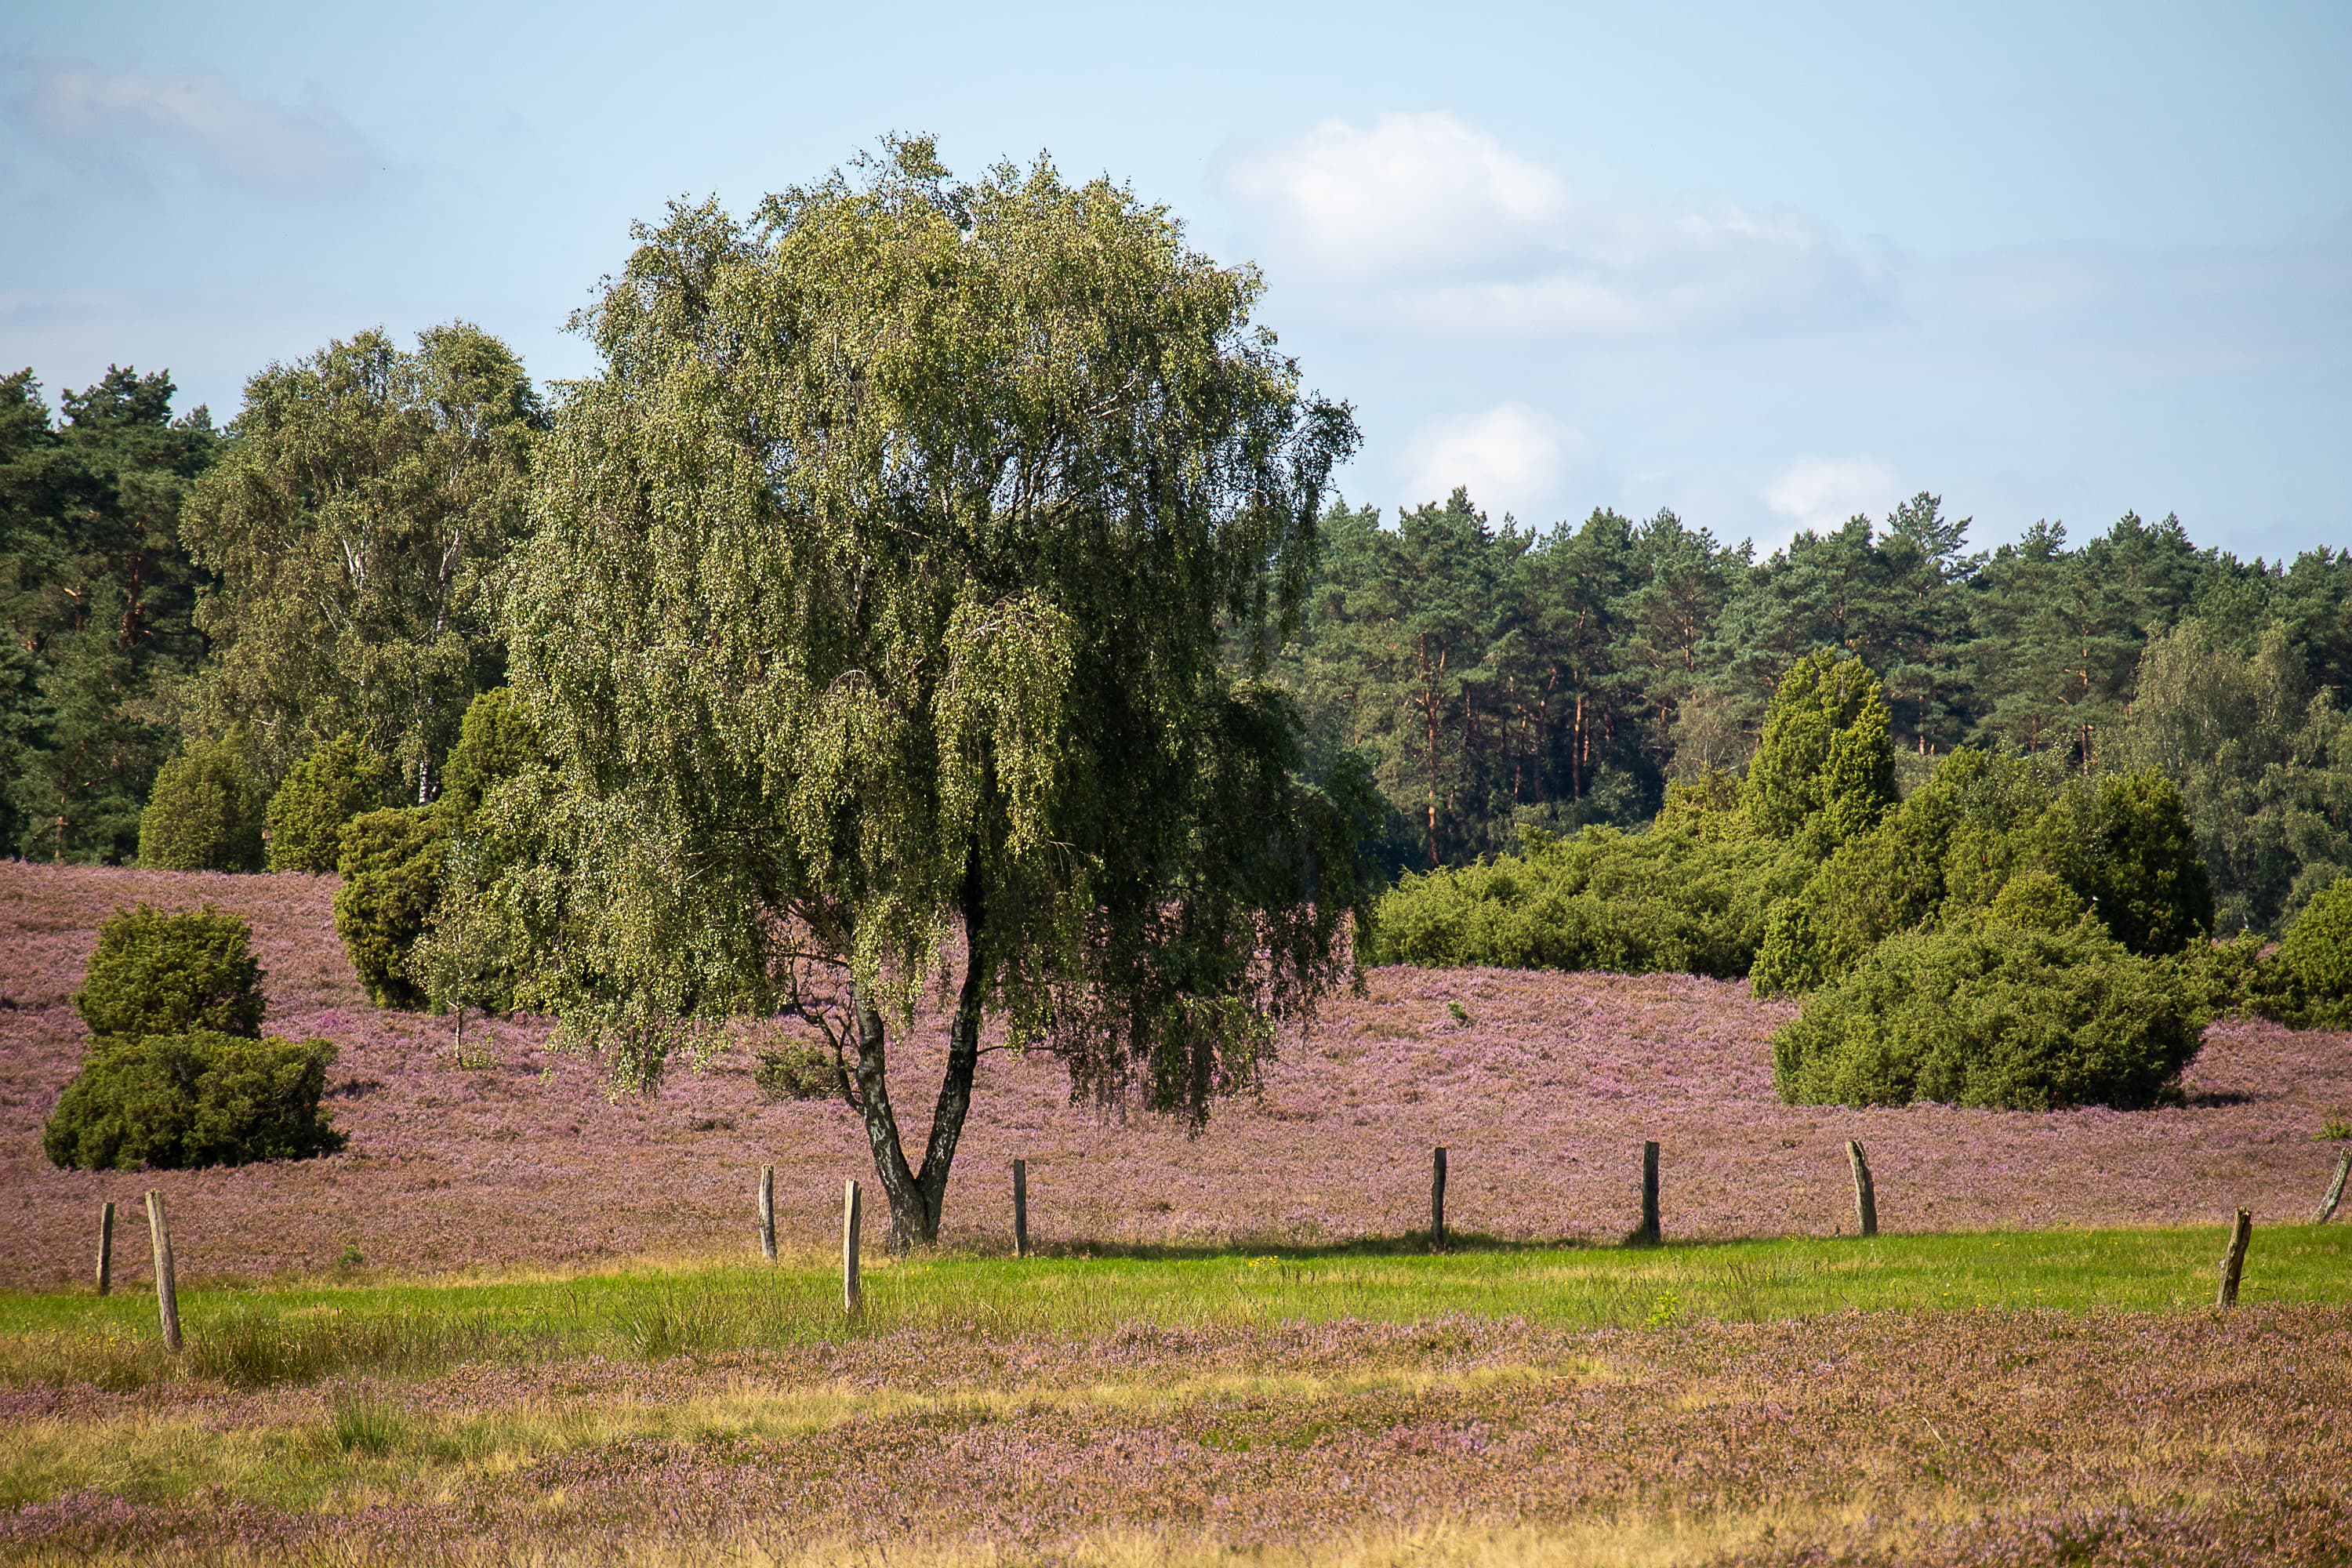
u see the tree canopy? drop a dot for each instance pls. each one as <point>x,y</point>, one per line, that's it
<point>356,527</point>
<point>893,612</point>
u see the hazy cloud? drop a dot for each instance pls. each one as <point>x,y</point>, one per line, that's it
<point>1424,218</point>
<point>1821,493</point>
<point>199,118</point>
<point>1514,459</point>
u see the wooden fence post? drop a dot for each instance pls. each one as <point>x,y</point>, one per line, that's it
<point>106,1248</point>
<point>1020,1208</point>
<point>849,1286</point>
<point>768,1213</point>
<point>1438,1198</point>
<point>2334,1189</point>
<point>2234,1262</point>
<point>1865,1196</point>
<point>167,1288</point>
<point>1649,1235</point>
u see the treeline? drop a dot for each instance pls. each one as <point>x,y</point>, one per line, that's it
<point>328,571</point>
<point>1501,678</point>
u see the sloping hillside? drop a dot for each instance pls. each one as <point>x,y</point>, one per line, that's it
<point>1543,1097</point>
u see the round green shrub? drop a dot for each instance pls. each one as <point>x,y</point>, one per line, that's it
<point>204,813</point>
<point>340,779</point>
<point>392,862</point>
<point>496,742</point>
<point>203,1098</point>
<point>2313,966</point>
<point>2125,844</point>
<point>1824,767</point>
<point>2002,1016</point>
<point>156,971</point>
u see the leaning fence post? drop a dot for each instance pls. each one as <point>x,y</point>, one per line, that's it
<point>1648,1234</point>
<point>167,1289</point>
<point>768,1213</point>
<point>2234,1262</point>
<point>2335,1188</point>
<point>1438,1198</point>
<point>1865,1197</point>
<point>849,1287</point>
<point>106,1248</point>
<point>1020,1208</point>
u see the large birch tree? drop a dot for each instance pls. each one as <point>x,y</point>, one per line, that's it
<point>879,610</point>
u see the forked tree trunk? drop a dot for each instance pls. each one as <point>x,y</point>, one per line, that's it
<point>917,1195</point>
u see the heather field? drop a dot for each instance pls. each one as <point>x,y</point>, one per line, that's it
<point>515,1323</point>
<point>1544,1096</point>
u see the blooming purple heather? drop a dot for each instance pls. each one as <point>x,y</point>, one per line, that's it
<point>1543,1096</point>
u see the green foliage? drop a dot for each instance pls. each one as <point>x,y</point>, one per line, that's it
<point>2037,901</point>
<point>496,742</point>
<point>392,863</point>
<point>358,526</point>
<point>202,1098</point>
<point>797,1069</point>
<point>1667,899</point>
<point>96,596</point>
<point>1824,771</point>
<point>2125,844</point>
<point>2263,763</point>
<point>156,971</point>
<point>2308,980</point>
<point>205,813</point>
<point>2000,838</point>
<point>340,779</point>
<point>885,576</point>
<point>2001,1015</point>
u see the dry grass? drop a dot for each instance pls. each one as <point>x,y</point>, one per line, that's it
<point>1931,1436</point>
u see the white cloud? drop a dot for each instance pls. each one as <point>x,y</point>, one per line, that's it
<point>1424,218</point>
<point>1415,192</point>
<point>1512,457</point>
<point>197,117</point>
<point>1821,493</point>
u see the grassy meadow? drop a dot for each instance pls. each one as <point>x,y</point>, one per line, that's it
<point>2011,1396</point>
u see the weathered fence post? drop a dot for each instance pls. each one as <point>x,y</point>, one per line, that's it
<point>2334,1189</point>
<point>1865,1197</point>
<point>1649,1234</point>
<point>2234,1262</point>
<point>849,1286</point>
<point>167,1288</point>
<point>768,1213</point>
<point>106,1248</point>
<point>1020,1208</point>
<point>1438,1198</point>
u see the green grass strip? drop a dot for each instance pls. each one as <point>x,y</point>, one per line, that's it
<point>300,1333</point>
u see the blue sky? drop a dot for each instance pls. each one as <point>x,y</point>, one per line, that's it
<point>1767,265</point>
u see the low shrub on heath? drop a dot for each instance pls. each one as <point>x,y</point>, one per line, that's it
<point>1668,899</point>
<point>339,780</point>
<point>2002,1016</point>
<point>1988,831</point>
<point>157,971</point>
<point>796,1069</point>
<point>204,813</point>
<point>392,864</point>
<point>202,1098</point>
<point>2308,980</point>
